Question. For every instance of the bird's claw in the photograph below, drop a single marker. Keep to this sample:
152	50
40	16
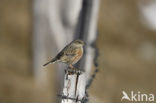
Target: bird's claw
72	71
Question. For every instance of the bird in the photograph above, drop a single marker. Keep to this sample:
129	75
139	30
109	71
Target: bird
70	54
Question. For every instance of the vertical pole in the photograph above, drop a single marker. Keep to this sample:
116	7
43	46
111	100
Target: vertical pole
86	30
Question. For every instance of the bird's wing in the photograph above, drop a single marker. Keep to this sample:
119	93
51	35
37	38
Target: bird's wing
69	50
66	51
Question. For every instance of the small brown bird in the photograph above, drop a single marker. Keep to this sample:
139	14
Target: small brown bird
70	55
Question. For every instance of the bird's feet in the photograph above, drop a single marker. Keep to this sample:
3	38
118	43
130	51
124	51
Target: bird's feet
73	70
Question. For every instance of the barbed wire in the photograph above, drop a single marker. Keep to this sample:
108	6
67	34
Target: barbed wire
83	100
95	60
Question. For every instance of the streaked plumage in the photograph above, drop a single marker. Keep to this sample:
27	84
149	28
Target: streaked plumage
70	55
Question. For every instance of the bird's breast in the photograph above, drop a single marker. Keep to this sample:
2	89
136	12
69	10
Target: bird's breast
79	53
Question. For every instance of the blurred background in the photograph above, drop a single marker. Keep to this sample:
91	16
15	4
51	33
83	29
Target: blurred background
126	41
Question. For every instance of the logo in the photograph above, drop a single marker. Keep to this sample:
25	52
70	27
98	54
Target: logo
138	96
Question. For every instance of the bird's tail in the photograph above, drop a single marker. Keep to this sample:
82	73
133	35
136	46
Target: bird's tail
52	61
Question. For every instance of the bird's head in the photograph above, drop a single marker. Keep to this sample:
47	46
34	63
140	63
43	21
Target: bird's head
79	43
